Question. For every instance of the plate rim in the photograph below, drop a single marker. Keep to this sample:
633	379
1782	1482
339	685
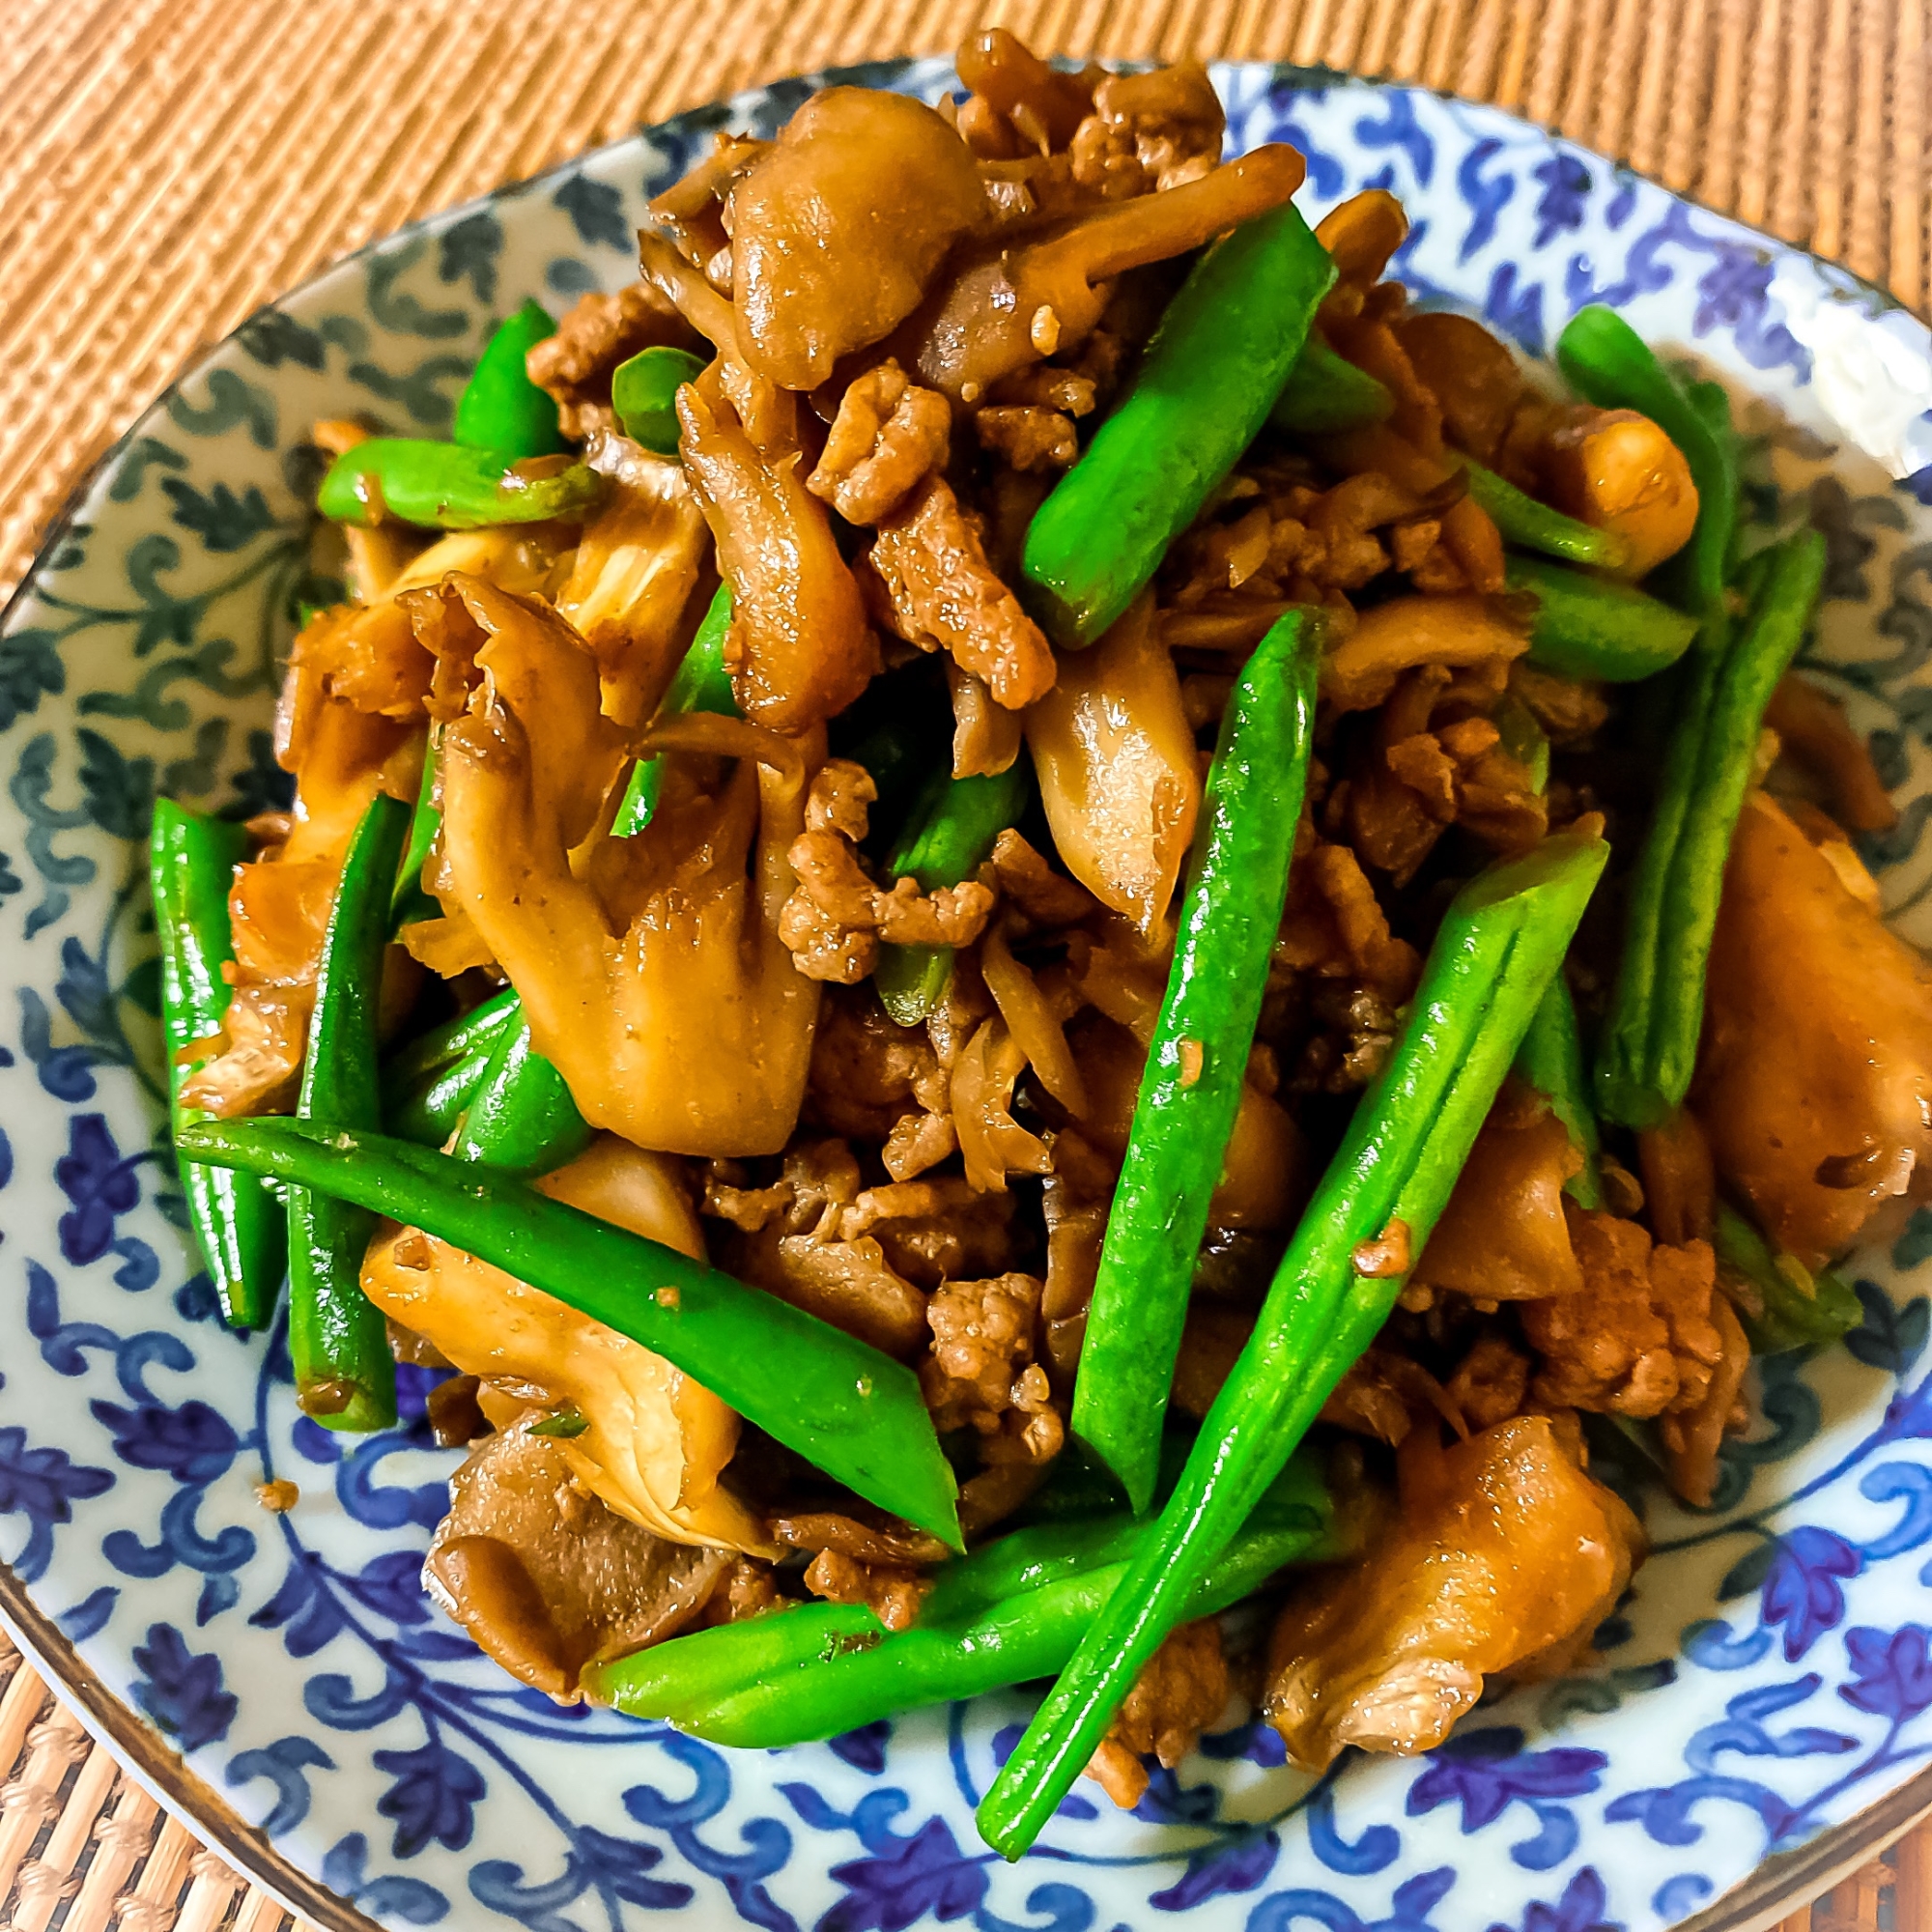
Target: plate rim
145	1756
1756	1903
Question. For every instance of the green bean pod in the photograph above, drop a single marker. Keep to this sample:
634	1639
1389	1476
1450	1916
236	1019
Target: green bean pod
522	1118
644	395
1221	356
1611	364
501	408
898	755
1780	1302
1647	1050
948	835
1551	1061
238	1224
1522	738
1530	525
446	486
1713	403
1627	1084
1499	945
1014	1611
1552	1057
430	1113
427	1083
680	1680
1326	393
700	683
338	1341
1197	1059
409	903
1596	628
854	1412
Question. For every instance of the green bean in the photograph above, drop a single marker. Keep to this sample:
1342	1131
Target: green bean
1522	738
1629	1086
1500	943
1647	1050
1551	1061
448	487
898	755
501	408
431	1113
1014	1611
1027	1559
1596	628
410	904
693	1673
1326	393
855	1413
948	835
643	393
430	1082
1219	360
522	1118
1191	1085
1552	1057
1081	1486
238	1224
338	1342
1533	525
1713	403
701	683
1612	365
689	1677
1780	1302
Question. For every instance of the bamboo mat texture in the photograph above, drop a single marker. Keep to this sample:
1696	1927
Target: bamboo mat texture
167	165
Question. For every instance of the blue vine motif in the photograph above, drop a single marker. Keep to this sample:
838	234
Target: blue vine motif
390	1897
43	1485
296	1659
1410	1908
285	1764
1582	1908
1486	1771
182	1691
1565	189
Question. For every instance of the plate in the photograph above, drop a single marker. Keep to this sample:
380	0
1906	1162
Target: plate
1765	1695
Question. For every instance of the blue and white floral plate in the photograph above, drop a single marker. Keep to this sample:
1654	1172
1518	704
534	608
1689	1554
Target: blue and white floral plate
1758	1714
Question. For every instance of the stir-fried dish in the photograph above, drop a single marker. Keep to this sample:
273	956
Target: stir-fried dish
1013	912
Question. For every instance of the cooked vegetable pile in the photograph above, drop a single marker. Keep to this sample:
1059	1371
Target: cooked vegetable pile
1011	912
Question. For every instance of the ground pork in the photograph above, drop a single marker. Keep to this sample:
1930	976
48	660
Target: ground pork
1182	1689
1641	1339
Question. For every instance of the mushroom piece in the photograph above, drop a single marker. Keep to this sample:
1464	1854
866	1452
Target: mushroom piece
545	1578
1815	1077
1009	306
650	968
1505	1557
647	1440
838	228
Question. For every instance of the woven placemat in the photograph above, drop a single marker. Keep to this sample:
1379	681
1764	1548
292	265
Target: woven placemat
166	165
